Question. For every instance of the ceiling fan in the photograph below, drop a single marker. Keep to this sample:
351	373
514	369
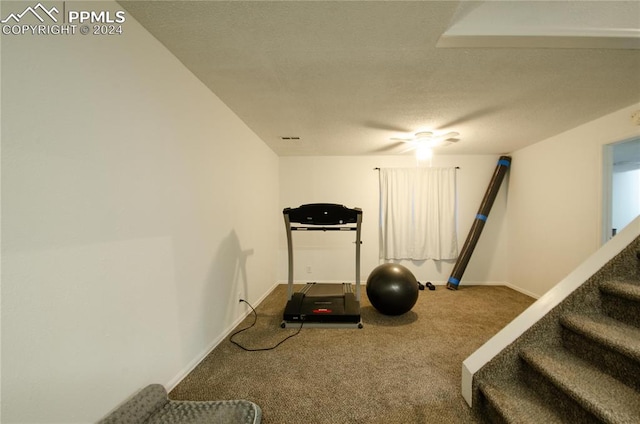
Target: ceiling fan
423	142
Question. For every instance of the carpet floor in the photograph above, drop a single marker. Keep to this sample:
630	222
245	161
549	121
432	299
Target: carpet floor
404	369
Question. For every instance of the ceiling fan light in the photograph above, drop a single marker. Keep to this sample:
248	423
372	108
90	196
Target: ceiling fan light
424	152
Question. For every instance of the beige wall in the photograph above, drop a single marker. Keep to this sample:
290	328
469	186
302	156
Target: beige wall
135	206
555	201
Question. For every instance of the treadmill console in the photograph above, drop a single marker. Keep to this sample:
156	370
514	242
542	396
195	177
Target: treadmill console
323	214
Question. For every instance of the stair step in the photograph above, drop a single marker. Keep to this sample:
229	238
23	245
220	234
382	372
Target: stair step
625	289
621	300
517	404
614	334
602	395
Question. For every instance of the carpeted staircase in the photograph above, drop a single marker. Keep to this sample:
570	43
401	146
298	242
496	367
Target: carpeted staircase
580	363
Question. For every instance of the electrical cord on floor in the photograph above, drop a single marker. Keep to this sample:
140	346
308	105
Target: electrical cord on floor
255	319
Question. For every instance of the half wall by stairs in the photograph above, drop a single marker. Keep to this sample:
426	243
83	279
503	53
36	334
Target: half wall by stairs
580	363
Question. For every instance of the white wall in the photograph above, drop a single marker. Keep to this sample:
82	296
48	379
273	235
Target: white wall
135	205
555	201
625	197
352	181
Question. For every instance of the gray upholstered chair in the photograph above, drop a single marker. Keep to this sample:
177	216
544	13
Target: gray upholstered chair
151	405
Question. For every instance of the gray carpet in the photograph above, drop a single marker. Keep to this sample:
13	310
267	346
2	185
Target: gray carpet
403	369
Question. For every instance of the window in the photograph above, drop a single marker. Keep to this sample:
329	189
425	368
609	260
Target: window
418	213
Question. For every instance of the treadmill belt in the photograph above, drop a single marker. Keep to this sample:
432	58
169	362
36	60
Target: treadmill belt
324	290
322	306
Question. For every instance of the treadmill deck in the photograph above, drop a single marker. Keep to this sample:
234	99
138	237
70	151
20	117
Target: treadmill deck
321	304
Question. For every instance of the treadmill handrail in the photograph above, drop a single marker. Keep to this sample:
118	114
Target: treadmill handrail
324	228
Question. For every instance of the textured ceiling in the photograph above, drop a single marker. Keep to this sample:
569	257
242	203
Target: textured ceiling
347	76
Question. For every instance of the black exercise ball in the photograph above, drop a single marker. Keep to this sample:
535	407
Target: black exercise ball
392	289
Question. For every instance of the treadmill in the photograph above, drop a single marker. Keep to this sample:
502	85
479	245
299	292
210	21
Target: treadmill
318	304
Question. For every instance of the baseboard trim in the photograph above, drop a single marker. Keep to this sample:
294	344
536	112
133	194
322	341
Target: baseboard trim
320	281
523	291
199	358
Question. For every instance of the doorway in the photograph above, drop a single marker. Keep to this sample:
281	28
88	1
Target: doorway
621	186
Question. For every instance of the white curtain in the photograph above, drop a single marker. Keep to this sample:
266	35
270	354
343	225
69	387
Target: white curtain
418	213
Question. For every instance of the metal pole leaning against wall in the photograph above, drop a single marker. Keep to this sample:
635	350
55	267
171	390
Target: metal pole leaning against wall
478	224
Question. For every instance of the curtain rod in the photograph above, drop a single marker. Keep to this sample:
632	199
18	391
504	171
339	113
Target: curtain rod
378	168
